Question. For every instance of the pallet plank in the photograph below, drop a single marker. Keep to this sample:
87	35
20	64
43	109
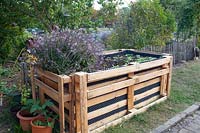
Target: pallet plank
106	109
125	70
48	90
111	88
106	97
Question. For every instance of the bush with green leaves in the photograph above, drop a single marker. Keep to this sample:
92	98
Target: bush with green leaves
147	23
68	52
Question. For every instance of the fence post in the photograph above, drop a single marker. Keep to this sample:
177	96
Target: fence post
164	82
169	76
81	102
71	112
130	93
61	104
32	82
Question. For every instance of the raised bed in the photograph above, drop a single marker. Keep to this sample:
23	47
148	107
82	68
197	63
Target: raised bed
91	102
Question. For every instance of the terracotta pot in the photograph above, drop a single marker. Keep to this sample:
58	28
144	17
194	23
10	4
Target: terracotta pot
40	129
25	120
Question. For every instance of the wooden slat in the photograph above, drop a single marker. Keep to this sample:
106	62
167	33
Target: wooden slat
106	83
147	83
81	105
67	97
61	104
33	83
149	71
56	110
147	93
107	120
66	79
126	83
163	84
49	82
152	75
48	75
111	88
106	109
147	102
67	105
126	117
130	92
106	97
48	90
169	76
125	70
71	106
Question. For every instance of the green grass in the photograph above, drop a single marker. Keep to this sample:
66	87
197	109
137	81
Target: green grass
184	92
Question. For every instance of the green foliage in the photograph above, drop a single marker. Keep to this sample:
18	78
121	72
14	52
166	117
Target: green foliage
189	22
4	71
17	15
49	117
5	89
147	24
108	13
25	94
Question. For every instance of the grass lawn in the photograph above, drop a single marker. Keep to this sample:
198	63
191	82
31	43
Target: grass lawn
184	92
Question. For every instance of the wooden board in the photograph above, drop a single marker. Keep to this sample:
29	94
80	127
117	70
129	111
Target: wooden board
125	70
147	102
106	109
146	93
111	88
107	120
126	117
106	97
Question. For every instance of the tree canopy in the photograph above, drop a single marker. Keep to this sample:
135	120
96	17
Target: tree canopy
148	23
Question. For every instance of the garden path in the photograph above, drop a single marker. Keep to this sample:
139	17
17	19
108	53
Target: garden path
190	124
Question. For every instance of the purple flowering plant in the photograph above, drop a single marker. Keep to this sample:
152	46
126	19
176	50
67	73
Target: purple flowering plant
68	51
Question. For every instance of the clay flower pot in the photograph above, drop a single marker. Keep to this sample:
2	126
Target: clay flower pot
25	119
40	129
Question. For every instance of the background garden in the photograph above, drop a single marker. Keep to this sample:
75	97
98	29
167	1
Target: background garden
37	31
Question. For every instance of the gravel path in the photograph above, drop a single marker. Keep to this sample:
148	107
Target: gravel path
190	124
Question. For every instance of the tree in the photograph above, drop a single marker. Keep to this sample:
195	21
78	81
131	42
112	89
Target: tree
189	22
147	24
17	15
108	12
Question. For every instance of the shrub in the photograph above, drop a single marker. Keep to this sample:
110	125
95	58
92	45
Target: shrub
68	51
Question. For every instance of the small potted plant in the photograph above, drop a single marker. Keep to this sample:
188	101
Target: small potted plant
28	113
44	123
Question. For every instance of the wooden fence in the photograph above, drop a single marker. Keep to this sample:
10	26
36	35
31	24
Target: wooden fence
181	51
91	102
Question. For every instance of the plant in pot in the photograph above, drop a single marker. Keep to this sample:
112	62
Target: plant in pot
26	114
44	123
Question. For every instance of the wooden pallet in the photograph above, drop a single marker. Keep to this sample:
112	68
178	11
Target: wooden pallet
101	99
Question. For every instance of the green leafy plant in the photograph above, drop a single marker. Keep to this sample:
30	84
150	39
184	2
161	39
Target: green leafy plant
48	117
4	89
25	94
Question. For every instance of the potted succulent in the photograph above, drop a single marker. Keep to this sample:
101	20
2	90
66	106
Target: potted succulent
27	113
44	123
